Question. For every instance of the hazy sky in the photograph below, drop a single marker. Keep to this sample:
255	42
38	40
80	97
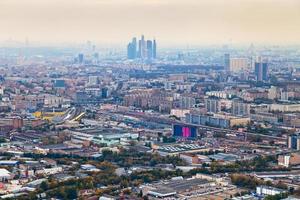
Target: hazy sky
169	21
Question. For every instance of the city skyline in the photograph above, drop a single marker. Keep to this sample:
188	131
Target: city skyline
173	22
150	99
144	49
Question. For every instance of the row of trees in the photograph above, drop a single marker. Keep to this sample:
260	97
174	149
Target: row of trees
276	197
257	164
127	158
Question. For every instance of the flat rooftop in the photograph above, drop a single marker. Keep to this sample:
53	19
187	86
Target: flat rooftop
180	147
180	185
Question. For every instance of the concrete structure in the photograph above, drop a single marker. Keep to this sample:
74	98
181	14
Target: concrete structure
238	64
217	120
267	190
219	94
224	157
13	122
294	142
284	96
5	175
53	101
273	93
264	117
114	139
227	62
179	112
93	80
187	102
291	119
81	138
49	171
190	159
285	107
289	160
173	187
261	70
212	105
239	108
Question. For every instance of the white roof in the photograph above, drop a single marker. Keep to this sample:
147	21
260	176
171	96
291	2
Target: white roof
4	173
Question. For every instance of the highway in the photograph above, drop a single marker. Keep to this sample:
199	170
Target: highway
73	113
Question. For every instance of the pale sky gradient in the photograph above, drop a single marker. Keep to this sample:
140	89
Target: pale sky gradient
169	21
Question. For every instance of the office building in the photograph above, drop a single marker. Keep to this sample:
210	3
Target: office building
261	70
131	49
154	49
142	48
149	49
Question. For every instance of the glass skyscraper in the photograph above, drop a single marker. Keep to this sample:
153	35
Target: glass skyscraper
145	50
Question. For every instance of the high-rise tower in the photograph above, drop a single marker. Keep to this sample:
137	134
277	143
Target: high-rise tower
227	62
154	49
131	49
261	69
149	49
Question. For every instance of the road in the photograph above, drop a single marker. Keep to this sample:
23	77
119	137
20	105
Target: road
70	114
154	117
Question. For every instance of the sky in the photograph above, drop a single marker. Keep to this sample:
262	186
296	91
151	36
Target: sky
171	22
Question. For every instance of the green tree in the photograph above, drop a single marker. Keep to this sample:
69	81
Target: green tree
44	186
71	193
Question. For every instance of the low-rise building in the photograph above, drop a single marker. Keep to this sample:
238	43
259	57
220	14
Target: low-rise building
179	112
267	190
114	139
49	171
224	157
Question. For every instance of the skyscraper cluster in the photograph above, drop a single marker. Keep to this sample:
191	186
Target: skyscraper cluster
143	49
